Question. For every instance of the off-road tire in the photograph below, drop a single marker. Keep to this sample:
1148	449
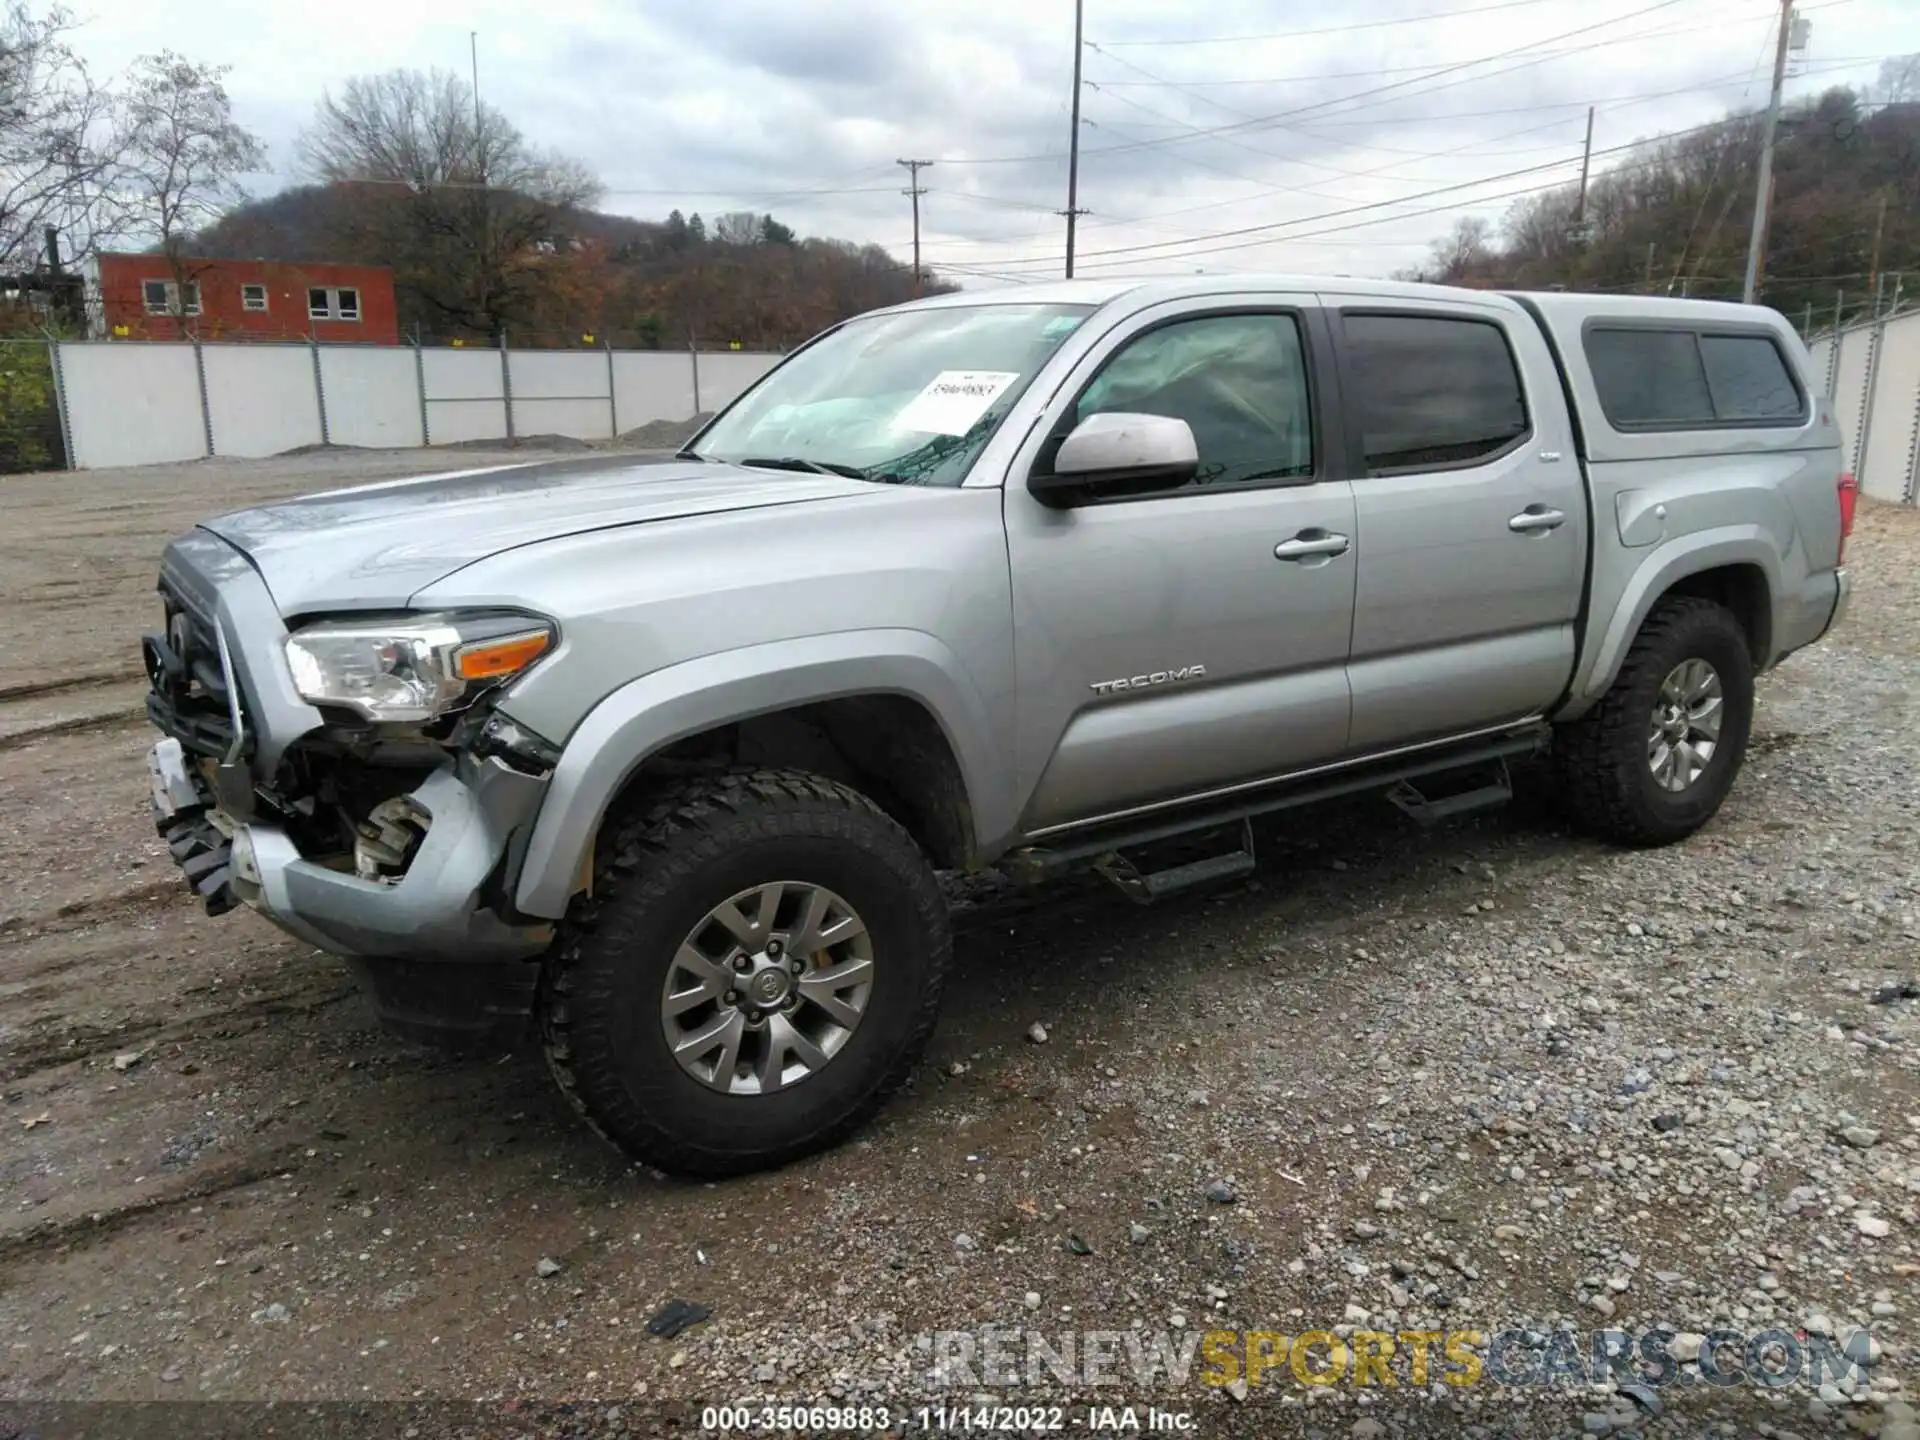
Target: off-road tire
660	864
1600	759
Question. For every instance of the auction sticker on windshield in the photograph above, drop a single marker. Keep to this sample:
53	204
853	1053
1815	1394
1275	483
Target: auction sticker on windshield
954	400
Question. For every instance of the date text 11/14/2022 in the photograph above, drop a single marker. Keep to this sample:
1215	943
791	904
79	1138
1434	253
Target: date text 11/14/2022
984	1419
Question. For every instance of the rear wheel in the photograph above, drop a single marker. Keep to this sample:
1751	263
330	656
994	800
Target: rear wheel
1652	762
758	967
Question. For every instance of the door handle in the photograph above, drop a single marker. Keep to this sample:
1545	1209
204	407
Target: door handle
1310	543
1536	518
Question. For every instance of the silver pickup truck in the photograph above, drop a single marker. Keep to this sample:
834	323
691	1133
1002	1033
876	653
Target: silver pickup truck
661	755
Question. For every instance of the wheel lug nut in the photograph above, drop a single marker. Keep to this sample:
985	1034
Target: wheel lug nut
773	949
742	962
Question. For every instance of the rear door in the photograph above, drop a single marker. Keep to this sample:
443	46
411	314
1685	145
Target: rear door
1471	516
1180	642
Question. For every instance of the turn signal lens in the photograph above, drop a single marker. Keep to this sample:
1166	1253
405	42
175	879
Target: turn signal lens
492	659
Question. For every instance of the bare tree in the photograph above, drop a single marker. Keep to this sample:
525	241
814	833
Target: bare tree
472	217
182	158
56	151
1899	82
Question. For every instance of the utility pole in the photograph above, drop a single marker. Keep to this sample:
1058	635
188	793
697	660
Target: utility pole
1650	267
1763	191
1873	268
914	167
1586	161
1073	140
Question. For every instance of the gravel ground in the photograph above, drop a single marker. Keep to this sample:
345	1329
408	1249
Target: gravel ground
1487	1077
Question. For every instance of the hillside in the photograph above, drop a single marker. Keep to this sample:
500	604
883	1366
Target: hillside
1674	215
551	275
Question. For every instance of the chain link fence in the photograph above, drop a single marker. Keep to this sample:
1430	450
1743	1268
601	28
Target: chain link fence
31	436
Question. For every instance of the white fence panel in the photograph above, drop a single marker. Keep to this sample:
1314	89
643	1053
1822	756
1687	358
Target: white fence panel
132	404
1886	468
1850	392
1820	354
652	385
373	396
724	374
560	392
261	398
465	400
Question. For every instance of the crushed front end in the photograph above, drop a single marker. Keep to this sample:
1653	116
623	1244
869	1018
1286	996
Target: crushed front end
375	805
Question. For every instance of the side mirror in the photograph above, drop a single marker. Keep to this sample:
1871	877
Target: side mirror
1118	452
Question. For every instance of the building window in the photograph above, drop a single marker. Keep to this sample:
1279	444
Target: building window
253	297
328	303
163	297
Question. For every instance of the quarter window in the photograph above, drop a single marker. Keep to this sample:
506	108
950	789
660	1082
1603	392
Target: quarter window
1650	378
1678	379
1240	383
1432	391
1749	379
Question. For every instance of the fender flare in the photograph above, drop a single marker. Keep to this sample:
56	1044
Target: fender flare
1664	567
646	715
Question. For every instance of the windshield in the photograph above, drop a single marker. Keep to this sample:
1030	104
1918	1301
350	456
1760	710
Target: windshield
910	398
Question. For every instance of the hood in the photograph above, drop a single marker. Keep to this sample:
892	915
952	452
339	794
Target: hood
375	546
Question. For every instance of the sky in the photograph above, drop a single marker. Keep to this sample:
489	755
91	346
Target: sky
1240	136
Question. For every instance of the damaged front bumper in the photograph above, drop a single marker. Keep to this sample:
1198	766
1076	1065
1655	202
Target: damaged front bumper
432	932
430	945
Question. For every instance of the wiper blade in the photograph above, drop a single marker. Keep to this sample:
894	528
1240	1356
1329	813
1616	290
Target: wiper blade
794	462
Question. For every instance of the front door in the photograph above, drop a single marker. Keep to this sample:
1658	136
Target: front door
1194	639
1472	520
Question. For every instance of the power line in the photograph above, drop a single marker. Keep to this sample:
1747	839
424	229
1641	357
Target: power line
1265	230
1254	122
1334	29
1615	102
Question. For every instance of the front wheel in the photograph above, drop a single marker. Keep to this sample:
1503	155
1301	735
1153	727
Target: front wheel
1652	762
758	967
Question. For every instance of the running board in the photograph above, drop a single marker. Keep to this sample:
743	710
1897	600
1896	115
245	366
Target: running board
1034	864
1425	810
1144	887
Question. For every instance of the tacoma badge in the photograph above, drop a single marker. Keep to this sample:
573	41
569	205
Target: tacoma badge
1141	682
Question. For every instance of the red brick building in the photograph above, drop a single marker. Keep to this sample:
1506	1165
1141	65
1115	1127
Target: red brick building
139	297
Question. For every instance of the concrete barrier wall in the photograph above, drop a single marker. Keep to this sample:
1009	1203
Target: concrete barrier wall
144	403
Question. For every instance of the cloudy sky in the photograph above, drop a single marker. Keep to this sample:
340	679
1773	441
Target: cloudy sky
1242	135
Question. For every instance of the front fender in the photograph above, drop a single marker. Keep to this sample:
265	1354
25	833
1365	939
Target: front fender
646	715
1659	569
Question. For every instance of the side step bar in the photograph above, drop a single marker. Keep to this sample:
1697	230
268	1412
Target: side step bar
1145	887
1484	760
1496	788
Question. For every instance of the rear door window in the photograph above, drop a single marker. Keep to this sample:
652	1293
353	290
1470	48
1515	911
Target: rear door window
1433	392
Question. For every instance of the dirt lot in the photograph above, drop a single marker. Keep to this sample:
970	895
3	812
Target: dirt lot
1484	1077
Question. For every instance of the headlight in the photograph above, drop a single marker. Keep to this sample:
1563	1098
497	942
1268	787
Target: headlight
413	667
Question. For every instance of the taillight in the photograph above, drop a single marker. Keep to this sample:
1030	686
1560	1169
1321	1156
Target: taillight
1849	492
